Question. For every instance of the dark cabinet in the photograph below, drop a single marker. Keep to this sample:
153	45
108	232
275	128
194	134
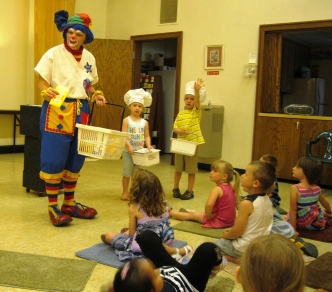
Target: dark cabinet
29	126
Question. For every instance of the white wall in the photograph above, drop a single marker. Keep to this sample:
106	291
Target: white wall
16	81
232	23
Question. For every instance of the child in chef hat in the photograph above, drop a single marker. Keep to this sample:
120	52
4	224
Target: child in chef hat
187	127
136	99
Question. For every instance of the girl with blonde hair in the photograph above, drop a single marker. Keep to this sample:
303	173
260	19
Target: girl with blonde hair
271	263
148	210
220	207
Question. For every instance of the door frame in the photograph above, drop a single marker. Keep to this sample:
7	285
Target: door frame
269	63
137	42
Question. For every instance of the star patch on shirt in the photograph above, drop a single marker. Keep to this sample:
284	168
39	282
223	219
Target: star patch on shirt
88	67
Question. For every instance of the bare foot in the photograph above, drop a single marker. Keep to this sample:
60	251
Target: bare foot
124	198
103	238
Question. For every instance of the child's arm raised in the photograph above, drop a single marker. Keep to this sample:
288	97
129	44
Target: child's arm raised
198	85
215	193
294	193
245	210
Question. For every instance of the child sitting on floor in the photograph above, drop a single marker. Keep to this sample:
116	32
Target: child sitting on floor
274	194
147	210
304	210
271	263
220	207
254	214
162	273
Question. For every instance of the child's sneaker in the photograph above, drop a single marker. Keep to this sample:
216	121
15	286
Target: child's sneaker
176	193
187	195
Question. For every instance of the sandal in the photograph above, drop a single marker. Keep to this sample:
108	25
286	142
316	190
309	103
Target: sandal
189	250
177	255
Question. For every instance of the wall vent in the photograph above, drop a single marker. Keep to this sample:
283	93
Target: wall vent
168	11
217	121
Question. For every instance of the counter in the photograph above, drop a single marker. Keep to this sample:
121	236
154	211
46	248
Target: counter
303	117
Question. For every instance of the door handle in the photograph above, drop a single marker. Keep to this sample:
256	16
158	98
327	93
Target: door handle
297	125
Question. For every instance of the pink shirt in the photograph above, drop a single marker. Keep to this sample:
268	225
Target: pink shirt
224	208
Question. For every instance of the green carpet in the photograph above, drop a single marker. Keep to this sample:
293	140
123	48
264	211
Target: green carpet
220	283
195	227
45	273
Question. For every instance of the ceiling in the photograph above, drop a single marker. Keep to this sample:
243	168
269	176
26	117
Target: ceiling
310	39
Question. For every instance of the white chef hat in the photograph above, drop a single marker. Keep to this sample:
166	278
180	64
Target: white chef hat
190	89
138	95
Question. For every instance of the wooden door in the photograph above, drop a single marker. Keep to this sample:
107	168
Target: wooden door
279	137
268	90
114	63
46	33
288	66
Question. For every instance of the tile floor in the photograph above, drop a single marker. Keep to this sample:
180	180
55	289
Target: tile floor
26	227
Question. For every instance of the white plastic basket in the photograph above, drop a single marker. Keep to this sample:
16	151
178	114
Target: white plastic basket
183	147
146	157
100	142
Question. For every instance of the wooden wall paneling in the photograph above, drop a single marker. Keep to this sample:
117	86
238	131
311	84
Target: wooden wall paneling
270	100
46	33
114	64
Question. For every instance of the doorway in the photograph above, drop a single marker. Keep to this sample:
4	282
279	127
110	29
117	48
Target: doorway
171	40
271	70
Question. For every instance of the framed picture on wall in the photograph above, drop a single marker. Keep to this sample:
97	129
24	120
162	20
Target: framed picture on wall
214	57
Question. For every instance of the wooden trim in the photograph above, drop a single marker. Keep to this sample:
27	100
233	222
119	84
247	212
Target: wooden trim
157	36
301	117
298	26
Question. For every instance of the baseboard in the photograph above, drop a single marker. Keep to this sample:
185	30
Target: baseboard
10	149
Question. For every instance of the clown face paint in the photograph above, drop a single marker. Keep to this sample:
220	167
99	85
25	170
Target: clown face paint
75	38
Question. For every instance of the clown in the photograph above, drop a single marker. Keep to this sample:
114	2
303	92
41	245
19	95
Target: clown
72	67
